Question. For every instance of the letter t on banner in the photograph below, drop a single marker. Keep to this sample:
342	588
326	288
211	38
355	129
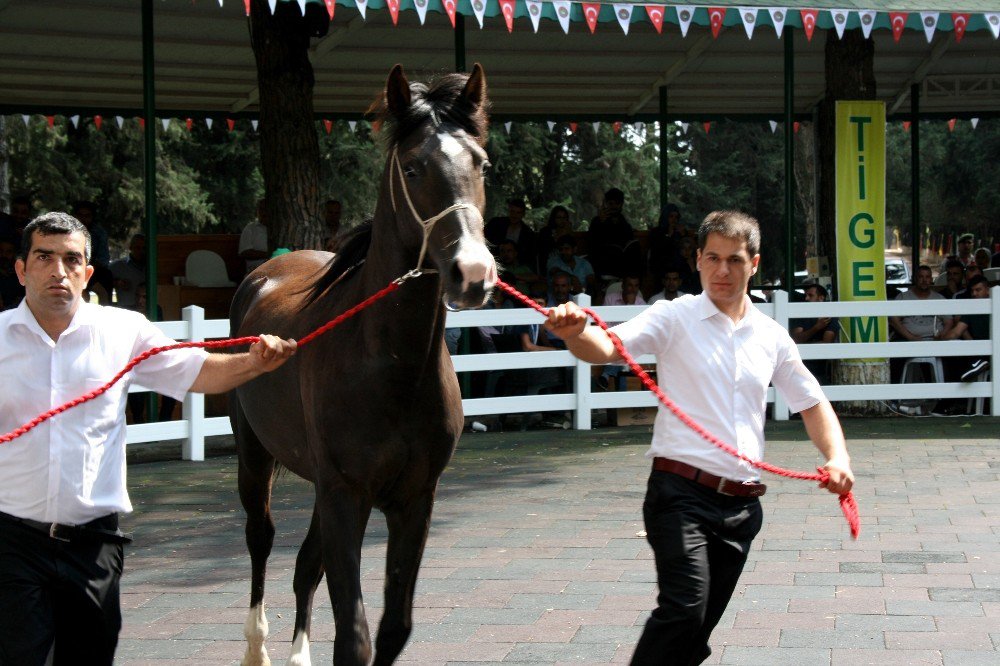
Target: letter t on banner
860	213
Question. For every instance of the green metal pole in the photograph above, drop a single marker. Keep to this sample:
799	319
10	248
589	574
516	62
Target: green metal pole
459	42
789	161
149	156
664	144
914	177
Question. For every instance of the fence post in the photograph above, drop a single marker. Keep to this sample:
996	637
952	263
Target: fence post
780	301
581	382
995	355
193	412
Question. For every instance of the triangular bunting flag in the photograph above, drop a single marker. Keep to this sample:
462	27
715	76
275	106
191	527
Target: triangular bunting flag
616	126
246	6
119	121
898	22
655	14
507	125
638	126
230	123
707	126
961	22
550	124
906	125
142	123
624	15
951	124
51	120
421	6
795	127
573	127
353	124
331	7
98	121
778	15
809	21
328	125
749	16
362	6
591	10
993	20
562	8
974	121
596	126
839	17
189	123
75	120
165	122
774	125
26	118
449	8
507	8
716	15
534	12
479	9
220	3
208	122
684	127
393	6
867	18
254	123
272	5
929	20
685	13
302	7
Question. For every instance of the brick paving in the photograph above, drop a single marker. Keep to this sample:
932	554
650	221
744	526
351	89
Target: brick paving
535	555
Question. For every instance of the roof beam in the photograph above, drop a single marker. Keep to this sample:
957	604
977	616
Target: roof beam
942	42
673	71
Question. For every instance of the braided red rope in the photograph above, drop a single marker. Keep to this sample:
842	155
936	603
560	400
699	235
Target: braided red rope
212	344
847	503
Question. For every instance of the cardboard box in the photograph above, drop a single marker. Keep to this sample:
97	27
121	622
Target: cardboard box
635	415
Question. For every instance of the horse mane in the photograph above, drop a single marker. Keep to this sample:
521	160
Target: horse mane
353	250
440	101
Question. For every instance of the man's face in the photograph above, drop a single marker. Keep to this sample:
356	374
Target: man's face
726	267
924	280
955	275
612	206
672	282
813	295
566	252
332	212
560	289
971	271
980	290
964	247
85	215
55	272
515	213
508	254
630	287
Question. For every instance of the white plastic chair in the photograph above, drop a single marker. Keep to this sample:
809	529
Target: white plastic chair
205	268
913	370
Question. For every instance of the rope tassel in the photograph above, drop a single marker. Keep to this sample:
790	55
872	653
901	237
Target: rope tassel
847	503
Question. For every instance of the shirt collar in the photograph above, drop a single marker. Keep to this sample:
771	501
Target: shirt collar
707	309
85	316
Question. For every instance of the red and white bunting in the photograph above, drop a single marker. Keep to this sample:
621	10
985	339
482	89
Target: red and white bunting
685	13
778	15
449	8
906	125
393	10
749	16
166	123
562	8
867	18
188	123
362	7
716	15
774	125
353	124
898	21
479	9
591	10
534	12
795	127
98	121
596	126
220	3
929	21
230	124
246	6
142	123
624	15
331	7
51	121
254	123
638	126
573	127
961	22
119	121
272	5
974	121
75	120
655	14
328	125
707	127
839	17
684	127
616	126
951	124
507	8
421	6
507	125
551	124
809	17
302	6
208	122
25	118
993	20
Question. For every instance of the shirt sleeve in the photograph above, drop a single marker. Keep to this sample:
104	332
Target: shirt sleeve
648	332
791	377
172	372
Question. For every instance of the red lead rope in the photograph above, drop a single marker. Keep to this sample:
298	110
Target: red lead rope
847	502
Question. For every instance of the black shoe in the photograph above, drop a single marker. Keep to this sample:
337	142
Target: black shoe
977	367
602	383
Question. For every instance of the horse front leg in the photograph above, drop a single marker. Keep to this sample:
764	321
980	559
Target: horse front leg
308	574
343	518
408	523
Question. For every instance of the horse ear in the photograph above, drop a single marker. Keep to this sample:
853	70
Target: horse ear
475	87
397	91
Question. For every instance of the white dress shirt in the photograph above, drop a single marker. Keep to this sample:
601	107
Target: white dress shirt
717	371
71	468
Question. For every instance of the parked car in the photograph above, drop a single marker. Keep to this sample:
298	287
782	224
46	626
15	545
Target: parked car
897	271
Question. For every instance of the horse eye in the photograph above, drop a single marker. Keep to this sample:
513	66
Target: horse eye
485	168
409	172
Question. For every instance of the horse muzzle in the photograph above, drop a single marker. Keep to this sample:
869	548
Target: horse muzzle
472	276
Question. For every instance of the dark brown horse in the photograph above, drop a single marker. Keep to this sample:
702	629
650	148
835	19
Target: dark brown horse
370	412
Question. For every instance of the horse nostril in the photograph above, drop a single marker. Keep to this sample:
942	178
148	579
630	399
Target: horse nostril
456	274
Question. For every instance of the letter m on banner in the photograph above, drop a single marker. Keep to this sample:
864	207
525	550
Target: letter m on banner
860	213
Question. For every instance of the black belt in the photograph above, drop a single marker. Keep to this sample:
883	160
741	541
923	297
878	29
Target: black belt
717	483
60	532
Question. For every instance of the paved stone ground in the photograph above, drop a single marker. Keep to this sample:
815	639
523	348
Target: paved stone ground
535	555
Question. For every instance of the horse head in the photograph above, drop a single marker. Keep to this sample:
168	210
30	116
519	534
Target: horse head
436	179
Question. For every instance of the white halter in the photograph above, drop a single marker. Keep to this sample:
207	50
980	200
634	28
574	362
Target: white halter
426	225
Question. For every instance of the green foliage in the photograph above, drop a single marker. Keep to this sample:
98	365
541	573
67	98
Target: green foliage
350	169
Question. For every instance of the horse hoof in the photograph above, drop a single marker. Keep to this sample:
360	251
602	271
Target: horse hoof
300	651
256	657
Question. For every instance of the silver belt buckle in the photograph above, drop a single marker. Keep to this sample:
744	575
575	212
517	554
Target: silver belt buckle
53	532
722	484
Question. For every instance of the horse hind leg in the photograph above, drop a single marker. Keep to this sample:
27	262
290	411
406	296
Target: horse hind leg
308	574
256	473
408	523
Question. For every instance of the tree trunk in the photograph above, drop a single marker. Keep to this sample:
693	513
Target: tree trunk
289	147
850	74
4	166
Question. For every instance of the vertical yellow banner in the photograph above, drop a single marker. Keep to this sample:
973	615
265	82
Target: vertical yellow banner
860	214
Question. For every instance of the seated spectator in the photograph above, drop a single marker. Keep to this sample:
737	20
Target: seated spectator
627	294
954	278
11	291
332	210
813	330
965	254
981	258
559	225
129	272
567	262
688	266
514	228
611	245
102	282
11	225
664	242
523	276
560	293
253	241
969	327
971	271
671	286
918	327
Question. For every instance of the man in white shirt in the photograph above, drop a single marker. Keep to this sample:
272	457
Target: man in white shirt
716	355
62	484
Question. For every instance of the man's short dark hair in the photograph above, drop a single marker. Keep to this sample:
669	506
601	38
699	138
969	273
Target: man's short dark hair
53	224
566	240
967	238
83	204
517	203
977	279
731	224
952	262
614	194
820	289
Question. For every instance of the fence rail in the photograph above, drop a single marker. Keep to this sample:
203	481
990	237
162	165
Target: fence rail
194	426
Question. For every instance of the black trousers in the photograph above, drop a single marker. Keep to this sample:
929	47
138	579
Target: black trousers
700	541
59	601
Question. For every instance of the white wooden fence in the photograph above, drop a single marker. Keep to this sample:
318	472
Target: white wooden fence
195	426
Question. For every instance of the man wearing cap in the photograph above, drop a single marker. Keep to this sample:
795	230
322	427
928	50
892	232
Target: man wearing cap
965	253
